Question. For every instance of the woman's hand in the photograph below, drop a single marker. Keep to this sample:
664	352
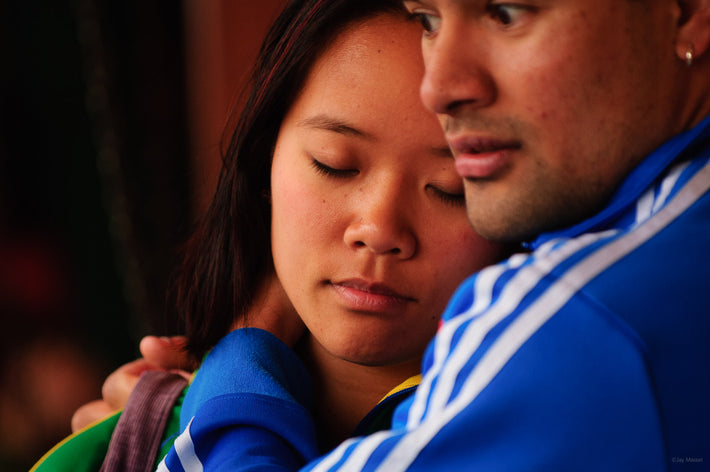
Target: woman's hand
164	354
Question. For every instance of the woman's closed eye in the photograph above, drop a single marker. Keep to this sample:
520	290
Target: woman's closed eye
331	171
450	198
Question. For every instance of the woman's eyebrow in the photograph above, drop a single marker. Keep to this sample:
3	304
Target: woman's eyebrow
329	123
336	125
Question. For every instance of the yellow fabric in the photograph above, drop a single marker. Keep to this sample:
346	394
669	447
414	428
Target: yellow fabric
412	381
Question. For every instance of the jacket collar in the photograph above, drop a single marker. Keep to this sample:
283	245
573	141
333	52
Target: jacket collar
624	200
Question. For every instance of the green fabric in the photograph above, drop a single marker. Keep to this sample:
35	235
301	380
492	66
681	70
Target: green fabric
85	450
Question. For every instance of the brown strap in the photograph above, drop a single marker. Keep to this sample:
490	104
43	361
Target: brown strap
135	441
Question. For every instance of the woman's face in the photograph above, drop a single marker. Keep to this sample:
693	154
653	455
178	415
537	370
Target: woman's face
369	229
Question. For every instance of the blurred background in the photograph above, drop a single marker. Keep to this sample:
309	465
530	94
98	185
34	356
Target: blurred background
110	119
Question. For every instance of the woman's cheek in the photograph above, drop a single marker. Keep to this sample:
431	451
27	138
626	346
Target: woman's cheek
304	215
465	253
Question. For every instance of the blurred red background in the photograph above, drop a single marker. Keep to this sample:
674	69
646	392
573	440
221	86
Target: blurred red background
110	119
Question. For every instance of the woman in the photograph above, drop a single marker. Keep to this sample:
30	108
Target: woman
339	166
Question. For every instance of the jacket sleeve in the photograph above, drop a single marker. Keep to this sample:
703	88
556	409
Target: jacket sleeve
246	409
573	393
572	414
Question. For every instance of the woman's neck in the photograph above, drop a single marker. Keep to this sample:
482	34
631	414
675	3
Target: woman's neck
344	392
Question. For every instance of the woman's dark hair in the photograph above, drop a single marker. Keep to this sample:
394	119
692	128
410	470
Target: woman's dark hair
229	254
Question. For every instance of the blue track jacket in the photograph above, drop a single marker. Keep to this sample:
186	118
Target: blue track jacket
591	353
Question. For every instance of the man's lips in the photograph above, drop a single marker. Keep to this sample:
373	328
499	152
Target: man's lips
481	157
361	295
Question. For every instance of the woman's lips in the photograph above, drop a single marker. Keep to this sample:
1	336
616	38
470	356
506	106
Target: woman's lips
360	295
480	158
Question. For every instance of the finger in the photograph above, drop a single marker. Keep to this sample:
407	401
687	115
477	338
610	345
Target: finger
89	413
166	352
119	384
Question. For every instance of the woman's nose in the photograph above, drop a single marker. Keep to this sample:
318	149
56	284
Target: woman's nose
382	224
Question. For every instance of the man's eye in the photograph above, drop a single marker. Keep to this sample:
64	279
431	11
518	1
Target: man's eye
332	172
506	14
430	23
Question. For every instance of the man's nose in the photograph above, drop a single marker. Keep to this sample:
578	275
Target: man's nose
455	74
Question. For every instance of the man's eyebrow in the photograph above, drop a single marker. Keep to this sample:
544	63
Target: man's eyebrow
336	125
409	3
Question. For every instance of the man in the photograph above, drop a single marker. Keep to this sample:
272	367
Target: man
582	128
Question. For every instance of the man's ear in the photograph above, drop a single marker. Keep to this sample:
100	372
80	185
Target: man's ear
694	28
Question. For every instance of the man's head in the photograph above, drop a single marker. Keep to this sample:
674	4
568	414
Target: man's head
549	104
